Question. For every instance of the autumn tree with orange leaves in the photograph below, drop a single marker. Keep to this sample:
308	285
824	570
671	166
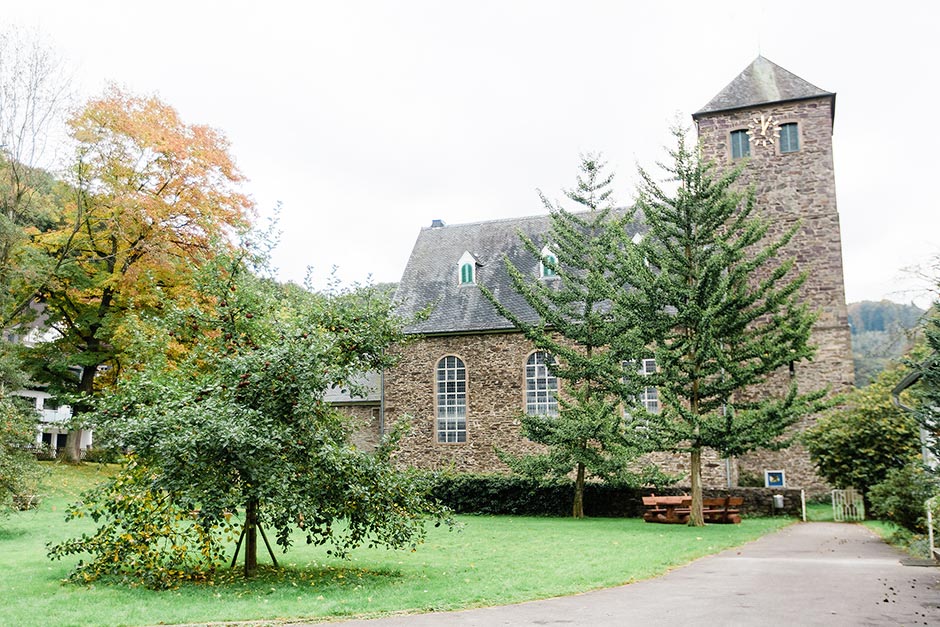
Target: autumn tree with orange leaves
151	198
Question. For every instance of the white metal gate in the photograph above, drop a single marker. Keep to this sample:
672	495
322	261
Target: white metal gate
847	505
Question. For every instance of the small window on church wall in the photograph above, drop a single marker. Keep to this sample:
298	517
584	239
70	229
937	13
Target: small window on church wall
789	137
740	144
466	273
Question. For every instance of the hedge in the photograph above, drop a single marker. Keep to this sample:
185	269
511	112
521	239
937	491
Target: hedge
516	495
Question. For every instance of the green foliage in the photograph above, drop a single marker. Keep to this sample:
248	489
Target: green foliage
589	436
19	471
859	444
103	455
145	537
901	497
720	310
240	420
928	389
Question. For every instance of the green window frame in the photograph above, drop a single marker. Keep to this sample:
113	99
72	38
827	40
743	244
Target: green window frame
789	137
740	144
546	271
466	273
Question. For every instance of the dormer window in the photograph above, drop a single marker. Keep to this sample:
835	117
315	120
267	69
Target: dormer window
548	264
467	269
740	144
789	138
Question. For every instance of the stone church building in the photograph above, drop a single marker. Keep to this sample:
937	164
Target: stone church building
467	376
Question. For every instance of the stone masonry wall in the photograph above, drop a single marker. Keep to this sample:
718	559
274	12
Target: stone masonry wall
495	387
495	398
364	422
791	188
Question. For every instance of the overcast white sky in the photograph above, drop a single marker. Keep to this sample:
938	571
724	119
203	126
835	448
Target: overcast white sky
368	119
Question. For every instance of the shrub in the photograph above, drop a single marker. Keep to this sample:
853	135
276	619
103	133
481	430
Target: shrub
100	455
858	445
900	497
748	479
522	496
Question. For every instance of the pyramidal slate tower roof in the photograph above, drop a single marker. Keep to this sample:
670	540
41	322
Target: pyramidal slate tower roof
762	82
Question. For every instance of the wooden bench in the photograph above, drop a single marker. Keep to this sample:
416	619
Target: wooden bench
722	510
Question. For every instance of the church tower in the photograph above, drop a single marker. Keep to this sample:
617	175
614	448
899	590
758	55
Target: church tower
779	127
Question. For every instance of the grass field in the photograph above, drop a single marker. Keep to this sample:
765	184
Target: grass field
487	561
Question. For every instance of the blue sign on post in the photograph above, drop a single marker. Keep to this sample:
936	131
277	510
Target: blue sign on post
774	479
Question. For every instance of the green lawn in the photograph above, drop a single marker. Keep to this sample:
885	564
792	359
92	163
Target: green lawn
487	561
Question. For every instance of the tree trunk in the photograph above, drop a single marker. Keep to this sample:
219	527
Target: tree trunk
251	537
696	518
73	446
578	509
86	385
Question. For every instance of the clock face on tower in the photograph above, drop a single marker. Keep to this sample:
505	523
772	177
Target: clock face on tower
763	130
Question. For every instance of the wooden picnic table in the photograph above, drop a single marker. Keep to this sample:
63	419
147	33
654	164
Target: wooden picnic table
667	509
676	509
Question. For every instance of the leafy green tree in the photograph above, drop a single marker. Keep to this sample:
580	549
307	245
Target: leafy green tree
241	422
928	385
19	471
901	496
151	198
719	311
589	434
858	444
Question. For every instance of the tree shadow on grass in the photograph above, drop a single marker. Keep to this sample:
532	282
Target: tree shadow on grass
321	576
11	533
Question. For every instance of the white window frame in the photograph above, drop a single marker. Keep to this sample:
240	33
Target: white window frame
648	396
450	389
541	386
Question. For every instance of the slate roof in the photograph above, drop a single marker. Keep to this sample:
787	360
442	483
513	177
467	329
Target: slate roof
762	82
431	274
370	381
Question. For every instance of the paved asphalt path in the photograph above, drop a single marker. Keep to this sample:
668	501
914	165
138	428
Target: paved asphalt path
806	574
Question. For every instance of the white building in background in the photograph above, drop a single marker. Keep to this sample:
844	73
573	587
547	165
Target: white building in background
52	428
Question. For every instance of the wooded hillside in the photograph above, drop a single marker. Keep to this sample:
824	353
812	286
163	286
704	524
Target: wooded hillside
881	331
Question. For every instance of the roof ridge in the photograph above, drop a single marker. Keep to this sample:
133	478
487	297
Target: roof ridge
539	216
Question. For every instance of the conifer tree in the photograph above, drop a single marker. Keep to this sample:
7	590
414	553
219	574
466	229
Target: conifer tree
720	308
589	434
